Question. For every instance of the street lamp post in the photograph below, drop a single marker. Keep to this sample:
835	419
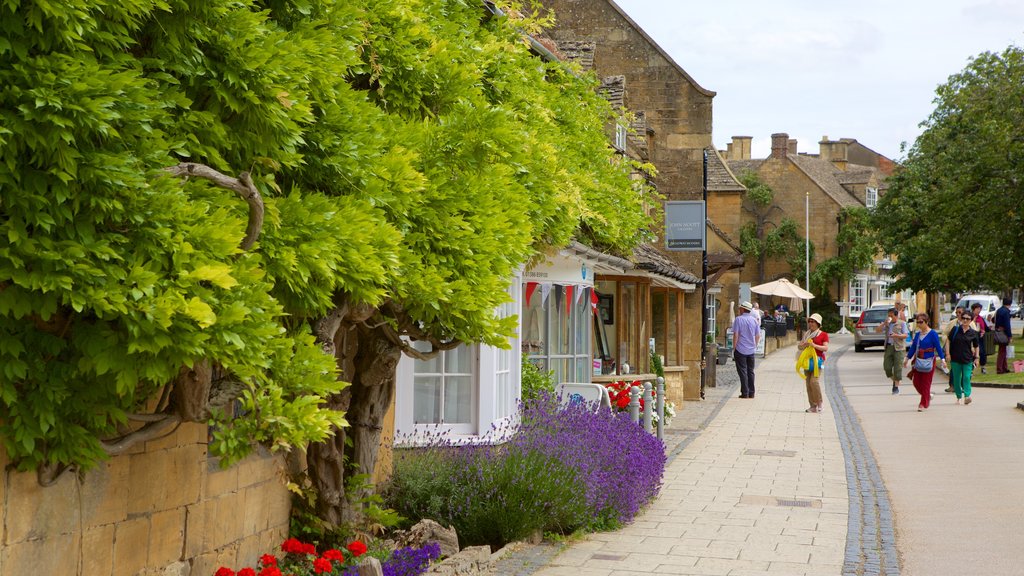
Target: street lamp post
807	251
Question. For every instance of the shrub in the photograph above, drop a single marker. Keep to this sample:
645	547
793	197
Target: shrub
535	381
563	469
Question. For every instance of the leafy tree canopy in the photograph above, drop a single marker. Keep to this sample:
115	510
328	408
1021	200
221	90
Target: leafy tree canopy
952	217
762	238
404	157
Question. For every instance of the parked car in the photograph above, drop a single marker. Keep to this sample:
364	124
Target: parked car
866	332
989	304
1015	311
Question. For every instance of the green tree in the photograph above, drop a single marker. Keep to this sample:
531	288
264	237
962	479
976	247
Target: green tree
762	238
857	249
952	217
394	163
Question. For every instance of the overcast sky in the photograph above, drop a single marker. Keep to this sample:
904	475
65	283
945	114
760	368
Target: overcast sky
866	70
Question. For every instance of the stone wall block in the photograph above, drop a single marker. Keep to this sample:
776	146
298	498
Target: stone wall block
183	484
131	545
38	512
98	551
148	478
197	516
208	563
218	481
167	537
53	555
104	497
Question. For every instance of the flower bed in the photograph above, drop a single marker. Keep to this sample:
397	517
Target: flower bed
564	468
619	394
302	559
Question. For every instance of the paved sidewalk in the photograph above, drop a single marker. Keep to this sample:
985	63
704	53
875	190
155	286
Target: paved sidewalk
761	490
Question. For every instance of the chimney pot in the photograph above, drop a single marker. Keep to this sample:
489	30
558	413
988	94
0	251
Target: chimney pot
780	145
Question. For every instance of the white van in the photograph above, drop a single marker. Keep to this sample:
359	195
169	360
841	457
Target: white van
989	305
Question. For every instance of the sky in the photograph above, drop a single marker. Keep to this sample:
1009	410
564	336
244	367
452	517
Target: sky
866	70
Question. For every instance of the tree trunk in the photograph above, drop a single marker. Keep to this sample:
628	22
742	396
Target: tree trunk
368	360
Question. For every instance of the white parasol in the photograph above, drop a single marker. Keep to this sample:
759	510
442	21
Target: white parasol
782	288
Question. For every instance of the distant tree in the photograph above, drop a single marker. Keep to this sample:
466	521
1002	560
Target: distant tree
953	217
762	238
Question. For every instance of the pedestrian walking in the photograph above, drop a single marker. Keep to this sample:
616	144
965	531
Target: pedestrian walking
981	326
896	332
954	321
962	351
1003	335
923	351
746	333
816	340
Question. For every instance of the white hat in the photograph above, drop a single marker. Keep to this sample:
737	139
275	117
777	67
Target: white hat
746	305
816	317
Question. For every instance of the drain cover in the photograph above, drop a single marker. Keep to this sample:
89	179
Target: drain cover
759	452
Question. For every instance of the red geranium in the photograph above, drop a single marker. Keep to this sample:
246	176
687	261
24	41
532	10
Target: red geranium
222	571
333	554
270	571
357	548
309	549
321	565
293	546
268	560
246	572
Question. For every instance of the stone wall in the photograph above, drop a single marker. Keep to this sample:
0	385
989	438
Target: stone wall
166	508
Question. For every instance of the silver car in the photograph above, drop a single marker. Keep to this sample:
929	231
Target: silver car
866	333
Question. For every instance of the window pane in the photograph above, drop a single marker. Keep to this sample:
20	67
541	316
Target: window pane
458	398
562	370
535	323
672	358
427	400
581	327
627	315
658	304
432	366
458	361
560	322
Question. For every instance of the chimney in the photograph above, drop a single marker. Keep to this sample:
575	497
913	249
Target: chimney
740	149
728	151
791	144
834	151
780	145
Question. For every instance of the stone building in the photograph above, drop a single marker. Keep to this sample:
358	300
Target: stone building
819	186
672	116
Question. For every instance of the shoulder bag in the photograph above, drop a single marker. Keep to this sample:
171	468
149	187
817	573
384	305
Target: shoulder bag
1000	337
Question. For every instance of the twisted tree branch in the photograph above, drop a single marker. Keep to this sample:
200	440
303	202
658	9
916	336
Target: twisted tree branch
242	186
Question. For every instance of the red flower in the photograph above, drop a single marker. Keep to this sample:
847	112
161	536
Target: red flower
270	571
293	546
268	560
309	549
321	565
357	548
333	554
622	401
222	571
246	572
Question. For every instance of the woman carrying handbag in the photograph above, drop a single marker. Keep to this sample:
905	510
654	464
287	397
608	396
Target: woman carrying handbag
811	360
923	351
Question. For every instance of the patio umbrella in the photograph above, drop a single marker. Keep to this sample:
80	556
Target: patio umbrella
782	288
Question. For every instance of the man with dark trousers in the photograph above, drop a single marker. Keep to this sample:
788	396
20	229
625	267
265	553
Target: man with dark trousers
1002	324
746	333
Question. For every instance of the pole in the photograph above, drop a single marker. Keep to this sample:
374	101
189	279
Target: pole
704	284
807	252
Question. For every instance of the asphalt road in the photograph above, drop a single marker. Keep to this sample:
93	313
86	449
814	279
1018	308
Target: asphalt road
955	474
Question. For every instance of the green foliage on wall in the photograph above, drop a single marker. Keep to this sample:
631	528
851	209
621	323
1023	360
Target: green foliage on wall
411	156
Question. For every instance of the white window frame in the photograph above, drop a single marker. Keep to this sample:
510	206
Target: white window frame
858	289
620	137
871	198
580	319
709	303
496	387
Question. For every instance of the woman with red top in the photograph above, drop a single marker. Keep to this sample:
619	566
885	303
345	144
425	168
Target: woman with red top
818	339
922	352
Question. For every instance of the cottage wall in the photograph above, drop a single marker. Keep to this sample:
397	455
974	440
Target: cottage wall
164	509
